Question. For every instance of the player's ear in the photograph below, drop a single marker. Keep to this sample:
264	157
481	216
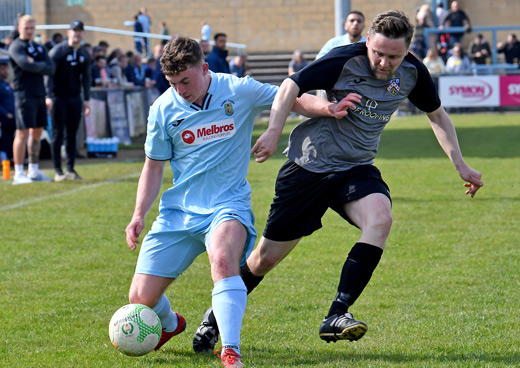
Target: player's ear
205	68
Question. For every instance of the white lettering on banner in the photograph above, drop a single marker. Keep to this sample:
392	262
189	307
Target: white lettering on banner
469	91
208	132
513	89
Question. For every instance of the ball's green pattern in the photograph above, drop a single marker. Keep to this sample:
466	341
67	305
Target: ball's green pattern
144	329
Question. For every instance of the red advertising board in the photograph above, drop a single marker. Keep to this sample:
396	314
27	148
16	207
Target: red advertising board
510	90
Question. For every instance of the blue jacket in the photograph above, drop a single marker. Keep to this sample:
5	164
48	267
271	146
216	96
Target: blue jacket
6	100
217	61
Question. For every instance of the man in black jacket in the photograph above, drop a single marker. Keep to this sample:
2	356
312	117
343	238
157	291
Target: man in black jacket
72	75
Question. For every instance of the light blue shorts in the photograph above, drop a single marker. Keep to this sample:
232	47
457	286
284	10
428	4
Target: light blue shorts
177	238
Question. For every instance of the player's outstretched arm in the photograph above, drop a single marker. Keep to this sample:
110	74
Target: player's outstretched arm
147	190
447	137
267	143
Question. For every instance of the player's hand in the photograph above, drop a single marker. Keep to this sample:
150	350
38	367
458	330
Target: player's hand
340	110
48	103
133	230
86	108
265	145
473	179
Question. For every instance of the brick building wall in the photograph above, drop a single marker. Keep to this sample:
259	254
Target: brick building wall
268	25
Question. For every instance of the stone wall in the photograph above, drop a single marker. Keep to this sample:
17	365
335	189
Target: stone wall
267	25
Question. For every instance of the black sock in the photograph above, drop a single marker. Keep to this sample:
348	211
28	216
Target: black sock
355	275
249	278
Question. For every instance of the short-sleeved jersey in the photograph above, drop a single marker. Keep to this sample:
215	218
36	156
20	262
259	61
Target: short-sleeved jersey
208	146
326	144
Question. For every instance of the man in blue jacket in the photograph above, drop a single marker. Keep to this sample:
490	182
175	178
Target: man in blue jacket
217	57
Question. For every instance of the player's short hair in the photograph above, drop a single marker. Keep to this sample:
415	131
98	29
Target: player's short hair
393	24
180	54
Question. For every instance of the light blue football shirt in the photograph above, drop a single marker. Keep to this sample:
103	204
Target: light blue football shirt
209	146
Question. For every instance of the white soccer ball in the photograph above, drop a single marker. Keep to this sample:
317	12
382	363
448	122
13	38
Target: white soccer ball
135	329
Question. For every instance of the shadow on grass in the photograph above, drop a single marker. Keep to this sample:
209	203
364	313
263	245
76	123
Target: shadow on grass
493	142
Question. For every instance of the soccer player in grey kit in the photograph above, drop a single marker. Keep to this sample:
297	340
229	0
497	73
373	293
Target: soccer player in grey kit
330	162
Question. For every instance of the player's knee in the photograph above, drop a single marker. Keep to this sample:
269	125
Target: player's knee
382	223
135	296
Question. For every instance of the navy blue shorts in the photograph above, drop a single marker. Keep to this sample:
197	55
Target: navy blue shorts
302	198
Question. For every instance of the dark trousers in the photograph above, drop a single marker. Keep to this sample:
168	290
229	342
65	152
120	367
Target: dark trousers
7	139
67	116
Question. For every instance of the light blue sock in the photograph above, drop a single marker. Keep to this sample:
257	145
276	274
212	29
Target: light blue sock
164	311
229	305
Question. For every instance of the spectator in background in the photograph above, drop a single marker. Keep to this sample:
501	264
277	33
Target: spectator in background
164	32
354	25
458	63
149	72
479	50
510	49
435	65
64	89
118	67
423	19
6	41
100	75
297	62
97	51
205	32
146	22
456	18
440	13
138	41
238	65
104	46
217	58
7	121
138	71
206	48
56	39
160	80
30	63
114	54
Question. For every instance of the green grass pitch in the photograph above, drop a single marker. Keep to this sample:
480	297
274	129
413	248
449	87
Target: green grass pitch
446	293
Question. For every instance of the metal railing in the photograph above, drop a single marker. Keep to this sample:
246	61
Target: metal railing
238	46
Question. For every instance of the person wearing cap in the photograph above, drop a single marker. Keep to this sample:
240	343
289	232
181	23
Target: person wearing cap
64	97
30	63
7	122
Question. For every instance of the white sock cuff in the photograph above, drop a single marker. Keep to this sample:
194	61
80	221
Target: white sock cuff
229	283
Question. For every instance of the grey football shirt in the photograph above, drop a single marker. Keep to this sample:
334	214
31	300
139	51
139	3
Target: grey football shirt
326	144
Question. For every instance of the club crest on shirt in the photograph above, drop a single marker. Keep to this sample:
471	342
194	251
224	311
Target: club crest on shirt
228	107
395	86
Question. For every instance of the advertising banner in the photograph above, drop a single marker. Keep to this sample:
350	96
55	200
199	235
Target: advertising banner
469	91
510	90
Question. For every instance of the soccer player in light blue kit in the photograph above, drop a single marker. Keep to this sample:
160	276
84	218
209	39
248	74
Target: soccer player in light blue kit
203	126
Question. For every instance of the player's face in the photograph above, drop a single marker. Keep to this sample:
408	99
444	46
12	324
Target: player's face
191	84
354	25
26	29
385	55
